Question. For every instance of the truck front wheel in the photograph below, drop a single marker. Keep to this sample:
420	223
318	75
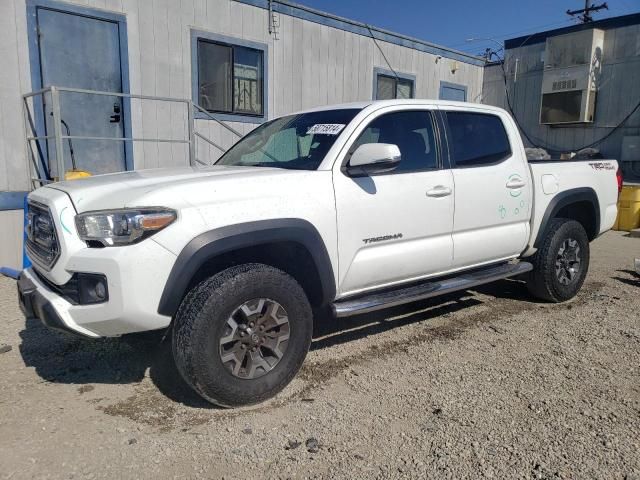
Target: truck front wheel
561	263
240	336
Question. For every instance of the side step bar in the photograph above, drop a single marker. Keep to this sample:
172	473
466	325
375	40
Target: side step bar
391	298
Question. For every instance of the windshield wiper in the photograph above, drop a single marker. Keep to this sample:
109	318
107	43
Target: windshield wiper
258	164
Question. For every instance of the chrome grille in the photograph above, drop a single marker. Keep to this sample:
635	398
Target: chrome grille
42	242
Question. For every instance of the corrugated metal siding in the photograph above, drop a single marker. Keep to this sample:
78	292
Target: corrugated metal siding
313	64
11	223
309	65
618	93
14	76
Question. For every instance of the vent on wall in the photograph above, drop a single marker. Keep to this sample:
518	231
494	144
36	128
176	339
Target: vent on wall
569	82
564	85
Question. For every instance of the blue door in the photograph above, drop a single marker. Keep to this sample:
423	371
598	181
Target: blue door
453	91
80	51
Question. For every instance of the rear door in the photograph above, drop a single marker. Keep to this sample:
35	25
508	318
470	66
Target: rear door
492	187
83	52
395	227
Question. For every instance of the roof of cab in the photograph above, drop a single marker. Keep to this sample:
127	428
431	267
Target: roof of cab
376	104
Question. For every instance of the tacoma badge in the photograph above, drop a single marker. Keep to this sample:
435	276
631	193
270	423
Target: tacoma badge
384	238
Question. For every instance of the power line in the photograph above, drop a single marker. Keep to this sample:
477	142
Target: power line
375	41
526	30
513	114
551	148
381	51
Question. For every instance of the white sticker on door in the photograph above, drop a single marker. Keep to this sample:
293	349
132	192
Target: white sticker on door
326	129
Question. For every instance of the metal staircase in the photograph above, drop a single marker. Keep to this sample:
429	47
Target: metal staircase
44	148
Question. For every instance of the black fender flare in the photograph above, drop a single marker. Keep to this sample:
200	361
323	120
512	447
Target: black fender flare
222	240
563	199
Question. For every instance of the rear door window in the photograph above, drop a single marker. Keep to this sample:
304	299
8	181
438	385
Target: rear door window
477	139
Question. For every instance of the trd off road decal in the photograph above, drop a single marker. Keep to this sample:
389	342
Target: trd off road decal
602	166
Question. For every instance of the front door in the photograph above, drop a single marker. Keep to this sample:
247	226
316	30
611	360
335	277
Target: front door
395	227
83	52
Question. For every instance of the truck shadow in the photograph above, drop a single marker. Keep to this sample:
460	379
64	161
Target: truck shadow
632	278
333	331
66	359
63	358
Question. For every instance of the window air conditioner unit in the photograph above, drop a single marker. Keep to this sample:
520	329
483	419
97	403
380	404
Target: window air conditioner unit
569	82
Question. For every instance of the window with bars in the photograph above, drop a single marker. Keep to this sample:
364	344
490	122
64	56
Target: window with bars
389	87
230	78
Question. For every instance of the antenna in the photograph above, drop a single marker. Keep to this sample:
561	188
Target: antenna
584	14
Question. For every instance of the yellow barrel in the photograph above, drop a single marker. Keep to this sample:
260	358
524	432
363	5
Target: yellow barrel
628	208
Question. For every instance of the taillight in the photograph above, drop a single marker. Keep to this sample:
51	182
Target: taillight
619	179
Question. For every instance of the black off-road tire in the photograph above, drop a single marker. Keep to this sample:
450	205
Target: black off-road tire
543	282
201	321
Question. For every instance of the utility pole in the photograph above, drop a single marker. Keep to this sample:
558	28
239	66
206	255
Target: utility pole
584	14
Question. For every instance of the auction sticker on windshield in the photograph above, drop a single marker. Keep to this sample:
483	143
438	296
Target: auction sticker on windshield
325	129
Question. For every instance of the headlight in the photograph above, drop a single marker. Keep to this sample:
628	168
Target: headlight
113	228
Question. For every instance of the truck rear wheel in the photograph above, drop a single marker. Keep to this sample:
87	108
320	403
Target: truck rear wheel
240	336
561	263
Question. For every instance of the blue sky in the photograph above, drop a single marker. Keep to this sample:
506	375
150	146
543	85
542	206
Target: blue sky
452	22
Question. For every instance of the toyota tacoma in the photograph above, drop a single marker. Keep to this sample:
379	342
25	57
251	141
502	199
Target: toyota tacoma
351	208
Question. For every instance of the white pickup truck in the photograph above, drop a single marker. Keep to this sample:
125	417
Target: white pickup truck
354	207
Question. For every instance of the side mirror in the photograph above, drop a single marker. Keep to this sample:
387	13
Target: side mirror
373	158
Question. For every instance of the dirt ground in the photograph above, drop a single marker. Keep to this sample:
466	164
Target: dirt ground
486	383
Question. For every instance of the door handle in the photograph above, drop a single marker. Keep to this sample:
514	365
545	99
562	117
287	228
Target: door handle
515	183
115	118
439	191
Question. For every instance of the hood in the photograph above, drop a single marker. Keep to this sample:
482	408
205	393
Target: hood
131	189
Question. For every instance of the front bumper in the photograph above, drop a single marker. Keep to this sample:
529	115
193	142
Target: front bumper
34	305
136	276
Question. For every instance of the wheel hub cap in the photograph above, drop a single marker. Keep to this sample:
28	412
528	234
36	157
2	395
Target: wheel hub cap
255	338
568	262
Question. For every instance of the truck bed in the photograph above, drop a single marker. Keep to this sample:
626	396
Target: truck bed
552	178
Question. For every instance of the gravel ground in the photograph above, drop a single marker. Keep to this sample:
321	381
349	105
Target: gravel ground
482	384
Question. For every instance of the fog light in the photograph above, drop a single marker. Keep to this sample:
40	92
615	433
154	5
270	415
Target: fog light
92	288
101	290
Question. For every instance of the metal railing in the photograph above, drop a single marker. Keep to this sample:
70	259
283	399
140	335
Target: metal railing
38	160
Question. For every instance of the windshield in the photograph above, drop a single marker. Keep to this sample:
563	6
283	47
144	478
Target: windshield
296	141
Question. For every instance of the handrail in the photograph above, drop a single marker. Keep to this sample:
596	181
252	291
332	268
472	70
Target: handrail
208	114
116	139
139	97
29	150
210	142
106	94
56	137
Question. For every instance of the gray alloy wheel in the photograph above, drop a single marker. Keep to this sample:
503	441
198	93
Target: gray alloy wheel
561	263
568	262
241	335
255	338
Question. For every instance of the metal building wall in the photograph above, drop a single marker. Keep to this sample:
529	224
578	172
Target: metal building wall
618	93
314	61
